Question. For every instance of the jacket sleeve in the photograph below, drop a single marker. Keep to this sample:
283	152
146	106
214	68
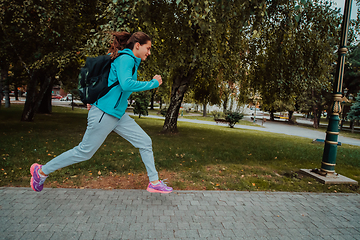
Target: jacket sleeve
124	69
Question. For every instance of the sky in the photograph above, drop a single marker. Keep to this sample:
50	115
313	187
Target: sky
341	4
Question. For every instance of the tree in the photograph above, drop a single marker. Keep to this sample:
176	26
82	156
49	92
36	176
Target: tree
314	101
352	70
206	90
53	32
354	113
141	103
197	35
292	60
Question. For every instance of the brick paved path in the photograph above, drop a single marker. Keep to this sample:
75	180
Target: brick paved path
137	214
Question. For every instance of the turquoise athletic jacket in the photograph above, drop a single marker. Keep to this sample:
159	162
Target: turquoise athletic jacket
115	101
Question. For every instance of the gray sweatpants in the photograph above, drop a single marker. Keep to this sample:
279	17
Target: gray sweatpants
99	126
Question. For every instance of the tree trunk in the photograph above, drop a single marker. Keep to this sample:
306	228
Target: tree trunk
316	125
315	110
318	116
1	88
16	92
33	99
290	116
153	92
45	104
232	103
204	110
4	77
180	85
352	125
341	124
226	99
272	116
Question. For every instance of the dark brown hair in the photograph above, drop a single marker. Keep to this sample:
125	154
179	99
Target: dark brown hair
122	40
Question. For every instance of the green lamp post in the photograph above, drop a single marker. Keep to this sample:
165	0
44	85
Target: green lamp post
329	156
326	174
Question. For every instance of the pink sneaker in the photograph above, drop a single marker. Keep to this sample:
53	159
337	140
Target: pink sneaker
159	188
36	182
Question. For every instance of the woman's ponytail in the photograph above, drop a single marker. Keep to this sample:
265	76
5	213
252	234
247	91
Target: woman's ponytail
124	39
118	43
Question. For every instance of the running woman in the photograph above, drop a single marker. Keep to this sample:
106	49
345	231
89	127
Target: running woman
107	114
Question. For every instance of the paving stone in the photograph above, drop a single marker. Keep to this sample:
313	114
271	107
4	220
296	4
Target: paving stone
11	235
87	235
65	235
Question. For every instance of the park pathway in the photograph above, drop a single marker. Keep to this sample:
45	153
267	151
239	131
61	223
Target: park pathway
276	127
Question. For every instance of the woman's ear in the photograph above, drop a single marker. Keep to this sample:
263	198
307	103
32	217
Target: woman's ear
137	45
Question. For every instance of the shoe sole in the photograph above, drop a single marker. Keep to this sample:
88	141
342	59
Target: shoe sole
156	191
32	174
32	184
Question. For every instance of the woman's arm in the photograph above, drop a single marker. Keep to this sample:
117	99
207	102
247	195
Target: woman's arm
124	73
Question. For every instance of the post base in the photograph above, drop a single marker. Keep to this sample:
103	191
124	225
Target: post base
328	178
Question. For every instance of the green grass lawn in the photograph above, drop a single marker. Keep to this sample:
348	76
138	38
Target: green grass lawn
198	157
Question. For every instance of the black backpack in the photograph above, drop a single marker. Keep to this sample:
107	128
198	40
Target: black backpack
93	78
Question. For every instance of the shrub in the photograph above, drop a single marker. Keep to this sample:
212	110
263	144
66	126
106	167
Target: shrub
233	118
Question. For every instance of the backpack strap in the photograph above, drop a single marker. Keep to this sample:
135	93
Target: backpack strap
112	85
117	82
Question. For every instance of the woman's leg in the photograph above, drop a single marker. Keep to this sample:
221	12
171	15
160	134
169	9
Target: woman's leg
99	126
132	132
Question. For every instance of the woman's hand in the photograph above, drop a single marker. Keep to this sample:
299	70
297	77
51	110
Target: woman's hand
88	106
158	78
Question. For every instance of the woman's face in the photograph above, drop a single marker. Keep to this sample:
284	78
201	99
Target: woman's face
142	51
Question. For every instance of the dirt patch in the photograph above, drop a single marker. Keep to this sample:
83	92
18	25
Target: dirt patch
130	181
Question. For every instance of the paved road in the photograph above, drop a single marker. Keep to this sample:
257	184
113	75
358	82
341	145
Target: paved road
137	214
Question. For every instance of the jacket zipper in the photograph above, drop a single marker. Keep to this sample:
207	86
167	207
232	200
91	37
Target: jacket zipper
118	101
